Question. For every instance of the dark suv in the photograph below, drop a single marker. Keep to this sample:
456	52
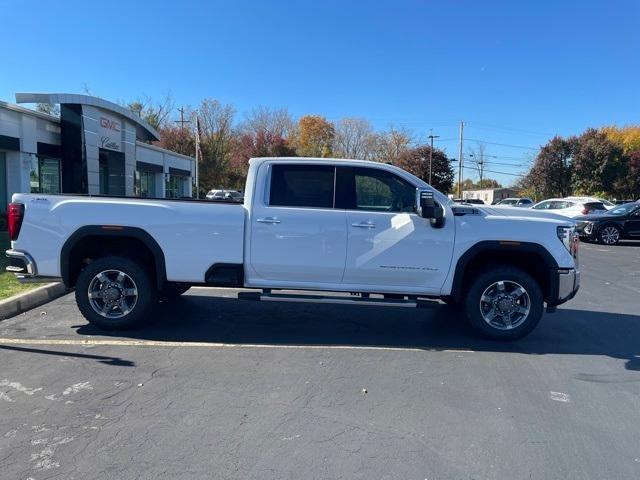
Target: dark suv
622	221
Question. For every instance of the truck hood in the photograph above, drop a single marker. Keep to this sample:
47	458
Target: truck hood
517	213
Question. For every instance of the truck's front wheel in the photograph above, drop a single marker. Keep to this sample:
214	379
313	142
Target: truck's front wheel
115	293
504	303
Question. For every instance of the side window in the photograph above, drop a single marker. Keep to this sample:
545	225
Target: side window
302	186
382	191
543	206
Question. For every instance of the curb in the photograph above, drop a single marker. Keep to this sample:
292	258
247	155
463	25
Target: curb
22	302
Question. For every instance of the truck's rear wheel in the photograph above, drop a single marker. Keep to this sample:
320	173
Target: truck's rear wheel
115	293
504	303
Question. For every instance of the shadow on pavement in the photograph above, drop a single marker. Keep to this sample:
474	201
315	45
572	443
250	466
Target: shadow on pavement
226	320
115	361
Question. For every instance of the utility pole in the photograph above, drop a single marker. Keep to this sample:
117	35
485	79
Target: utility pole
197	155
431	137
460	161
182	121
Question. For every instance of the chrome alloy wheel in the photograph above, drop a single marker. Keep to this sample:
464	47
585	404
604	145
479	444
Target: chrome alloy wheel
505	305
610	235
112	294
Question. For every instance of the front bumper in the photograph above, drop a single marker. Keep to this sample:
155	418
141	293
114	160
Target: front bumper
567	284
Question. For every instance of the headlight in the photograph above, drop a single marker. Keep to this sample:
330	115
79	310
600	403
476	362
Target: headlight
569	238
588	228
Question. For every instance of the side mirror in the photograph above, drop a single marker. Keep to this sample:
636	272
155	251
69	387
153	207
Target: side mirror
427	207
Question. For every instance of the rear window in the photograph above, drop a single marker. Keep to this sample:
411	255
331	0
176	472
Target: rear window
302	186
595	206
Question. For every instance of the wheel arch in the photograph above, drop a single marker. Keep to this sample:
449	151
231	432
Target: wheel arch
100	240
531	257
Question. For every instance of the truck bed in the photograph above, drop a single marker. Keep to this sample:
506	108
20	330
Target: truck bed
193	234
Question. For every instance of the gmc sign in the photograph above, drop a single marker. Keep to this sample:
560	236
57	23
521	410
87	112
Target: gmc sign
109	124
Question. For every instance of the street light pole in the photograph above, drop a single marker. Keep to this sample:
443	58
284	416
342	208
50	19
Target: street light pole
431	137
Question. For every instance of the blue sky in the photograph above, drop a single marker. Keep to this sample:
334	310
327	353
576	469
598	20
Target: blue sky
516	72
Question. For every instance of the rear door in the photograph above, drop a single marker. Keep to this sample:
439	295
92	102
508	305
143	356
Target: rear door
389	245
297	236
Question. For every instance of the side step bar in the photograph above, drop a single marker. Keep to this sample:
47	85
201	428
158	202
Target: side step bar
343	300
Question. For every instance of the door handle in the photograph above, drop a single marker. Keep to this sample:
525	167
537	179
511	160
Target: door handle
364	225
269	220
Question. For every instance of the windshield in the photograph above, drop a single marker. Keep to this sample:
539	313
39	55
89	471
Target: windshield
508	202
623	209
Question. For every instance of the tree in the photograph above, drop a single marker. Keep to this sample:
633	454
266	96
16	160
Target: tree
216	142
469	184
157	114
315	136
269	122
416	161
550	175
627	137
478	158
179	140
628	186
597	163
249	145
354	138
48	109
390	145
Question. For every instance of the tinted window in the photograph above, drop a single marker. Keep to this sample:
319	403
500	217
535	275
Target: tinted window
302	186
594	206
381	191
525	201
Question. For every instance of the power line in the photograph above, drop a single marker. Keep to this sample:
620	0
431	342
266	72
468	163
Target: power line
504	144
488	126
506	173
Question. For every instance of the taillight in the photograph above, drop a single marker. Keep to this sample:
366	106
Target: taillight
15	215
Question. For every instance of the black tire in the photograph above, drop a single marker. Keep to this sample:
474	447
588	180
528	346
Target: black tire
173	290
141	310
609	235
510	276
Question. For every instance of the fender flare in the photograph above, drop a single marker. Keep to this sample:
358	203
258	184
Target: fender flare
507	246
112	231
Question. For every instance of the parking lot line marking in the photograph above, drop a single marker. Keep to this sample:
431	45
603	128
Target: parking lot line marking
160	343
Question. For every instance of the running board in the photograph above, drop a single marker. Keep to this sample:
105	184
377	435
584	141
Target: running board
342	300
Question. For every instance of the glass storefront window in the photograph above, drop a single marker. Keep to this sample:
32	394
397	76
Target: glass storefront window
175	186
145	185
45	175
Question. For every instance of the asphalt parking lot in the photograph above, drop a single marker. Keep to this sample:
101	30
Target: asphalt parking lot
223	388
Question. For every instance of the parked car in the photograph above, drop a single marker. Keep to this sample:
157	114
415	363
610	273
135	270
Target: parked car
622	221
226	195
607	204
516	202
308	224
570	208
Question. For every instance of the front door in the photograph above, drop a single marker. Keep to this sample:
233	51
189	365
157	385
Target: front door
297	236
389	245
632	226
3	182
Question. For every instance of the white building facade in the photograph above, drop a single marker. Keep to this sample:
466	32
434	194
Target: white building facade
95	147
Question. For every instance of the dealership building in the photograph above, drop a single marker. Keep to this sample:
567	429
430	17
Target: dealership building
94	147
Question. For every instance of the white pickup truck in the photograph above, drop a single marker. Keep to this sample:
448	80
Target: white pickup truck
369	232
